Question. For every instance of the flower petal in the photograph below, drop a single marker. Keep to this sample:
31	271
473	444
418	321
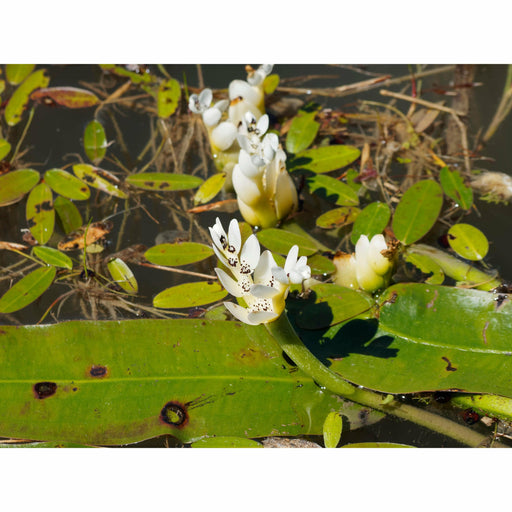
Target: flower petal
211	116
234	237
280	275
246	164
291	259
250	253
239	312
262	125
264	292
246	189
261	317
222	105
205	97
263	271
229	284
224	134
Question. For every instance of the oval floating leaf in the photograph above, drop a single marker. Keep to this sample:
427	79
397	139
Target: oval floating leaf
40	213
100	179
68	213
333	190
372	220
190	295
270	83
302	132
174	255
226	442
210	188
169	93
122	275
27	289
95	141
5	147
417	211
468	242
16	73
20	97
164	181
70	97
333	426
15	184
454	187
337	218
280	241
325	159
67	185
53	257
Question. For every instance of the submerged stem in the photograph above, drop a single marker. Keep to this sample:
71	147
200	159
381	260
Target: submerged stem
284	334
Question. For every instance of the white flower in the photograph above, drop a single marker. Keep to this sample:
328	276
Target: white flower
258	280
199	103
256	77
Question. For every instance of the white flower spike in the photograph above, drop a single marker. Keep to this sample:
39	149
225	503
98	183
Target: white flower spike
258	280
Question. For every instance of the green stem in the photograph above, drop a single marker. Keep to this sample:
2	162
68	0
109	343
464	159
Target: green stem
284	334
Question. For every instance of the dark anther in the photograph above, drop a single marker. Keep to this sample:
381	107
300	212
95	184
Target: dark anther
173	414
98	371
44	389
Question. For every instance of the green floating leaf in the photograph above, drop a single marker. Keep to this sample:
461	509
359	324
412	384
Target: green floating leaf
468	242
372	221
67	185
489	405
119	382
69	97
169	93
427	265
53	257
5	147
226	442
377	445
454	187
190	295
325	159
333	190
54	444
20	97
164	181
429	338
100	179
280	241
177	254
292	226
95	141
137	78
40	213
68	213
15	184
417	211
270	83
338	217
27	289
332	305
302	132
122	275
320	265
210	188
333	426
16	73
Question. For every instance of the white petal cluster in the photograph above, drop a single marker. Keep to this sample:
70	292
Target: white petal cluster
367	269
255	278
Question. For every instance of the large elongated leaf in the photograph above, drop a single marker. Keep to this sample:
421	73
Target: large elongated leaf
40	213
121	382
190	295
16	73
164	181
174	255
280	241
70	97
66	184
14	185
333	189
325	159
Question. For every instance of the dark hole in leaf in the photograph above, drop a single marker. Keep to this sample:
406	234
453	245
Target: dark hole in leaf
163	185
149	183
173	413
31	223
44	389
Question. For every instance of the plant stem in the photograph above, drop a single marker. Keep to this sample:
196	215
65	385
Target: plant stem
284	334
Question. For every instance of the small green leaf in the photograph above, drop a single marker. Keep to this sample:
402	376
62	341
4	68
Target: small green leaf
427	265
190	295
175	255
337	218
454	187
468	242
333	426
372	220
280	241
27	289
122	275
325	159
302	132
417	211
270	83
136	78
67	185
5	147
169	93
15	184
68	213
95	141
40	213
20	97
226	442
52	256
164	181
69	97
16	73
210	188
332	190
320	265
100	179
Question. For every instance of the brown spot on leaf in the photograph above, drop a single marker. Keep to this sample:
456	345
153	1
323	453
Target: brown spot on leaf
149	183
449	367
174	414
163	185
31	222
44	389
98	371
